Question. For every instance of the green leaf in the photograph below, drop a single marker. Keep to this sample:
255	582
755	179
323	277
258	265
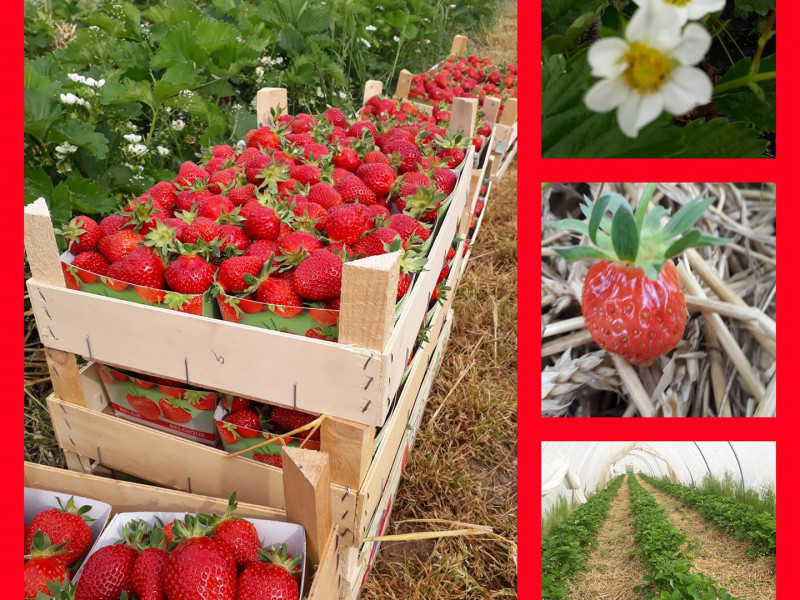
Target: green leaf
582	253
88	197
757	6
624	235
597	215
641	208
139	91
744	105
558	16
561	43
573	225
81	135
313	20
720	138
293	42
686	217
37	183
60	204
41	111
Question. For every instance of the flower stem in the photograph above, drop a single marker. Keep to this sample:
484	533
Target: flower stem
744	81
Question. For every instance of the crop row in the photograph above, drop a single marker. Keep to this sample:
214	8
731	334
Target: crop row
566	551
660	548
726	514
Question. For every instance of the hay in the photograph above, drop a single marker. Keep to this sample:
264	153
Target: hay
725	364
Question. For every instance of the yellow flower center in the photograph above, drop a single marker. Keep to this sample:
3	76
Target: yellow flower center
678	2
648	68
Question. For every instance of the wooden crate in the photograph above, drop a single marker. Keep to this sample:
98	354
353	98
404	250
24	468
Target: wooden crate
131	497
355	379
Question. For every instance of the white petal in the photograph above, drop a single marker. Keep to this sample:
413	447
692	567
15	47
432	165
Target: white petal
655	24
687	88
605	57
606	95
697	9
695	42
637	111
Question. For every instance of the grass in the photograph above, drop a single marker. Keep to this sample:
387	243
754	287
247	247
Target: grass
557	514
730	487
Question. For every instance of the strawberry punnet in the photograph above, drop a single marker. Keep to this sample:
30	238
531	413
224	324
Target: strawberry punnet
632	301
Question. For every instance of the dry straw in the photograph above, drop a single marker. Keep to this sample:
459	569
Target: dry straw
725	364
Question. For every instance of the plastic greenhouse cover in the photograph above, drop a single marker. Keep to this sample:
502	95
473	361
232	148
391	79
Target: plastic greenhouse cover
588	466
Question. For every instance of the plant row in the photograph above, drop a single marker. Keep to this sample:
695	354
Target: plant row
565	552
726	514
660	548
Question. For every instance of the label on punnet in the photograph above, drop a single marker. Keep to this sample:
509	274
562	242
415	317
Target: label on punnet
174	426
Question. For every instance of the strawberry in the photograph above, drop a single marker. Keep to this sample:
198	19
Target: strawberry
201	228
336	117
222	180
238	536
376	242
140	267
445	180
282	558
264	137
375	156
247	422
262	224
118	245
266	582
632	301
280	294
107	573
94	262
41	566
379	177
189	173
144	406
233	236
292	419
346	223
319	277
201	400
213	207
112	224
307	174
236	403
66	524
356	128
276	460
407	227
190	273
242	195
232	271
324	195
81	234
198	567
347	159
263	248
173	409
187	199
152	547
353	189
408	153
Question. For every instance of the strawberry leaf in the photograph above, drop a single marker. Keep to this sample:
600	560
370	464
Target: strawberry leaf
582	252
644	201
686	217
625	235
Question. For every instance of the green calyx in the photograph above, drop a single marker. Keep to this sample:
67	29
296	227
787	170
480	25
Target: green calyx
637	240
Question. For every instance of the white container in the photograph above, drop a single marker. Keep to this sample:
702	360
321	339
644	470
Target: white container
270	533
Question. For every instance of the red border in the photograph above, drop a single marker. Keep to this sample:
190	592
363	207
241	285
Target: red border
780	429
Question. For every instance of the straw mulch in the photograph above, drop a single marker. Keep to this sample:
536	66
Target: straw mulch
725	364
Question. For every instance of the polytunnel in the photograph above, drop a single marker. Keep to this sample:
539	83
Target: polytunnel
574	470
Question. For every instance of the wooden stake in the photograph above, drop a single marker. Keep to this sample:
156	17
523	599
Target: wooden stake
403	85
459	46
306	486
369	295
372	88
267	100
351	446
327	578
491	106
509	116
462	116
45	264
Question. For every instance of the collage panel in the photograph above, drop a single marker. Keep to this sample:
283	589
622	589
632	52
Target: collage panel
658	299
665	519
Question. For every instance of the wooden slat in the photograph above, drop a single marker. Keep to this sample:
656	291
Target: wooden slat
372	88
45	265
369	297
462	116
269	99
403	85
491	106
509	116
307	481
294	371
126	496
507	162
350	446
459	46
327	577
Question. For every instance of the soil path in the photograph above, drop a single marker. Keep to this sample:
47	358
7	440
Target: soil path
613	569
718	555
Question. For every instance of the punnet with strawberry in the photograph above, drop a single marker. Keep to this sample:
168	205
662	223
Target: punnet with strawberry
632	300
259	235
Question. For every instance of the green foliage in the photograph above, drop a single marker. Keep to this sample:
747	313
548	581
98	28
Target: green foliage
660	548
566	549
744	103
743	521
179	76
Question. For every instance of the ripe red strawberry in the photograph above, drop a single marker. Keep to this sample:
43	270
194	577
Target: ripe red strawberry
347	159
263	581
151	544
198	567
375	156
445	180
190	273
336	117
187	199
264	137
408	153
189	173
174	409
375	211
112	224
353	189
355	130
144	406
41	567
306	174
238	536
292	419
346	223
319	277
242	195
234	404
276	460
94	262
324	195
247	421
117	246
452	156
141	267
222	180
262	224
373	243
379	177
299	241
407	227
64	524
263	248
233	236
107	573
213	206
632	301
82	234
200	228
279	292
232	271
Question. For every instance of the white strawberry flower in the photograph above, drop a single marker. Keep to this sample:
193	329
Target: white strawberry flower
691	10
365	42
137	149
651	70
178	124
76	77
89	81
371	28
162	150
66	148
259	71
132	137
68	98
396	38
